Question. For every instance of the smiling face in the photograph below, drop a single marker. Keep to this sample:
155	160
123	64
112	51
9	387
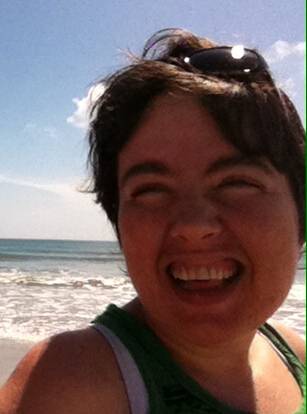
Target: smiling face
210	237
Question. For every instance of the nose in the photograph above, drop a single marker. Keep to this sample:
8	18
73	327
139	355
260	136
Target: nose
196	221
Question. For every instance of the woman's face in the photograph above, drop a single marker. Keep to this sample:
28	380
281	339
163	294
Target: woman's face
210	237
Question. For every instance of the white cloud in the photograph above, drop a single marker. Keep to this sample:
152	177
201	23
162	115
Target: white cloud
80	118
287	62
282	49
288	85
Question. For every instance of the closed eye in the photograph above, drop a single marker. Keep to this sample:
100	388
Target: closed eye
149	190
240	183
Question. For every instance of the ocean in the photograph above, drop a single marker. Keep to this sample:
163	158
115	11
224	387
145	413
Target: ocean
47	286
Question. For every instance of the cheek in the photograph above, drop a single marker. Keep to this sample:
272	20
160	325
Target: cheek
268	233
268	230
141	233
141	241
271	215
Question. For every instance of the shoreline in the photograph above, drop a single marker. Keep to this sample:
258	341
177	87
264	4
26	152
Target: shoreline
11	352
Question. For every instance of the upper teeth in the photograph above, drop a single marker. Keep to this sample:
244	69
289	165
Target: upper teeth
201	273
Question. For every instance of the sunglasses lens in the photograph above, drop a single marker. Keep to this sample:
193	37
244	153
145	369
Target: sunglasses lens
225	60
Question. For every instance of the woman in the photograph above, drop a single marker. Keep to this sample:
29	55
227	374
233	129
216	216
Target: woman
197	159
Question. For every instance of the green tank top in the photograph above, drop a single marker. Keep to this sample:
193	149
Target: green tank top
170	389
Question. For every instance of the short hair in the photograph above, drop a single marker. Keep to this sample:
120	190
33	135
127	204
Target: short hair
254	115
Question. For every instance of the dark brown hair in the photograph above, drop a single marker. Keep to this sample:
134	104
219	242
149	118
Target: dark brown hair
252	113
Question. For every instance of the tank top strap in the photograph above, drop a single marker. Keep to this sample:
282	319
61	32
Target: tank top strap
286	353
135	387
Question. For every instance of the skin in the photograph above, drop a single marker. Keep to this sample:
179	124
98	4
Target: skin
239	216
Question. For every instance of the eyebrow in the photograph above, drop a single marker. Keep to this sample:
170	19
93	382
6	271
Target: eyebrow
156	167
147	167
240	161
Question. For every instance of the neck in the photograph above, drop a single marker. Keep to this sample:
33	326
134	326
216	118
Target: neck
225	360
228	361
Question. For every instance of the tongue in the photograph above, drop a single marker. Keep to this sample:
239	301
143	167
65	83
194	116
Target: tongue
200	284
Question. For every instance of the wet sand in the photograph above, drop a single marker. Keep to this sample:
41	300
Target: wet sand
11	352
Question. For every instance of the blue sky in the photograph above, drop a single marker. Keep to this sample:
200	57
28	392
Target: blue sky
51	52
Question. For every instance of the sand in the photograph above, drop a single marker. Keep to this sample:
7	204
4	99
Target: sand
11	352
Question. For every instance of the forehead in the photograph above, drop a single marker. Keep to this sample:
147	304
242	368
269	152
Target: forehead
174	129
176	114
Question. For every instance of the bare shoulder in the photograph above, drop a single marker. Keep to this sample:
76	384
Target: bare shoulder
295	341
73	372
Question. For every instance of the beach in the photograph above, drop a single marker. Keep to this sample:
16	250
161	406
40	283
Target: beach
11	352
47	287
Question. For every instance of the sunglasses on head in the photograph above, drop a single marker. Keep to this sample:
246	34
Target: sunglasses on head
223	60
231	60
